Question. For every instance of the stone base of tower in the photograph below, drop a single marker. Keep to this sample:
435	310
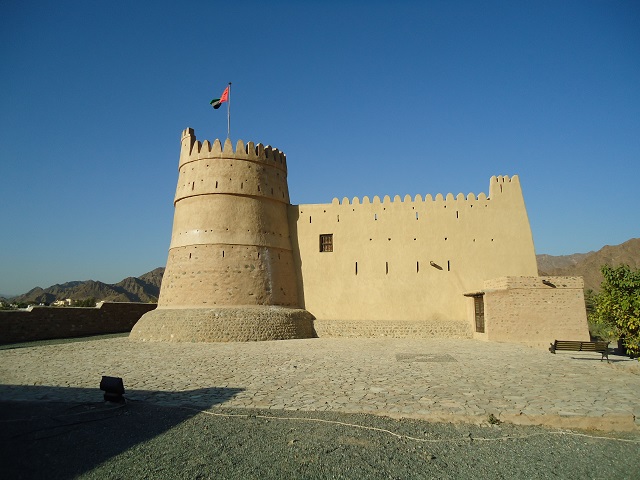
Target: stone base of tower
224	324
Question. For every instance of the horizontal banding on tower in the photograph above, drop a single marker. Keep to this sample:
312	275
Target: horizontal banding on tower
230	219
230	243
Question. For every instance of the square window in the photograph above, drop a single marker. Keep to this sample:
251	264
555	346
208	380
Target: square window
326	242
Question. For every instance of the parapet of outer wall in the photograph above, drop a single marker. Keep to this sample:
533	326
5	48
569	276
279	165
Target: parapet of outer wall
498	185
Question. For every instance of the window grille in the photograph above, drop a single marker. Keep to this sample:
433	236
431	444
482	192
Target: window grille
326	242
478	302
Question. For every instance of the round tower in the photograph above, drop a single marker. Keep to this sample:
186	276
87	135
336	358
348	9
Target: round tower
230	274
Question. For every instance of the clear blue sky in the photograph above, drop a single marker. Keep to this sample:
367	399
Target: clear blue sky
364	97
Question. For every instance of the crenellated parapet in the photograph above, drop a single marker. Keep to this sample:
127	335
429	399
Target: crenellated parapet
250	170
499	186
502	184
408	199
193	150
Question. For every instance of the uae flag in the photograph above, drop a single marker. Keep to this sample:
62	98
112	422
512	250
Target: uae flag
216	102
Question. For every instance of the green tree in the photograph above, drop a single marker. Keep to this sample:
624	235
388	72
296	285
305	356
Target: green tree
596	329
589	297
617	306
87	302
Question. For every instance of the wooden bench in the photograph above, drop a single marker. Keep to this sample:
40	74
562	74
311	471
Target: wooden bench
578	346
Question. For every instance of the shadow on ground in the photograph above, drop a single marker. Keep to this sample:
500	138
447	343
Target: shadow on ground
57	435
63	439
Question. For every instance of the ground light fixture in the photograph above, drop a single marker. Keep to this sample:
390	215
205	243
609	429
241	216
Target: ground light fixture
113	388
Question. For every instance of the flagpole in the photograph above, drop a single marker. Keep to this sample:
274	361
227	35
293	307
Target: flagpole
229	113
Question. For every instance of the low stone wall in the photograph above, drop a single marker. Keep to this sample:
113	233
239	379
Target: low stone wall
45	323
248	323
393	329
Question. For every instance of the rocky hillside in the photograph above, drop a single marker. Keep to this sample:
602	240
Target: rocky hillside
145	289
587	265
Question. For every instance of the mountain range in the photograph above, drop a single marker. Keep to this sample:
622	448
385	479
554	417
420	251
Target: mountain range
588	265
146	288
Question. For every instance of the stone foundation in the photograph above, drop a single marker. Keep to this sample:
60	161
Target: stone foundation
393	329
224	324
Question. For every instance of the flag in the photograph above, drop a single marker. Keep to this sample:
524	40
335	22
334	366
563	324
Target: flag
216	102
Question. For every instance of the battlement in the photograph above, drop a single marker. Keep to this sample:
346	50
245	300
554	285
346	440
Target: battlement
503	183
498	185
193	150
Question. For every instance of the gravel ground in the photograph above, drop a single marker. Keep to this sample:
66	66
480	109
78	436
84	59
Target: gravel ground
143	440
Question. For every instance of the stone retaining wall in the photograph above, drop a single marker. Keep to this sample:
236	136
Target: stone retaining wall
393	329
45	323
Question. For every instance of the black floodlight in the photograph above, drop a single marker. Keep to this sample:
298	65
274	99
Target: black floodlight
113	389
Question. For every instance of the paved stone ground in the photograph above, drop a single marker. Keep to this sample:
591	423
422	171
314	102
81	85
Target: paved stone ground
432	379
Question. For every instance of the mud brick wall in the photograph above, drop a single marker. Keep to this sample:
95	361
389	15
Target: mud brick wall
535	311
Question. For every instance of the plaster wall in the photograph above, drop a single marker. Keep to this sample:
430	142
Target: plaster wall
409	259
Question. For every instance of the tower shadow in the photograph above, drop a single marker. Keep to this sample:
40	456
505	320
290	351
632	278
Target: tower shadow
293	215
65	432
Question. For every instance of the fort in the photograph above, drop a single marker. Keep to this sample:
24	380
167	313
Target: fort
246	264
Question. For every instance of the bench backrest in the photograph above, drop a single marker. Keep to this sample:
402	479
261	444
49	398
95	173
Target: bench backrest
581	346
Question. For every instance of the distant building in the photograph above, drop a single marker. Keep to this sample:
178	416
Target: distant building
67	302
